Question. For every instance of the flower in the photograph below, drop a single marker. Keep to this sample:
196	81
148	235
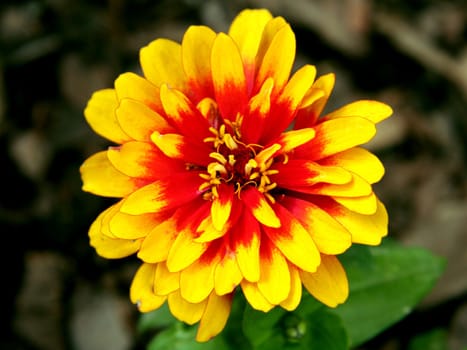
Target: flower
230	177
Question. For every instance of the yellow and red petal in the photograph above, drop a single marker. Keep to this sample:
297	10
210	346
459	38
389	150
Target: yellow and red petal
359	161
292	139
284	108
161	62
274	280
222	206
247	30
165	282
214	317
374	111
258	110
100	115
142	160
329	283
141	290
100	177
335	136
254	297
196	59
177	146
183	114
107	247
246	241
294	242
297	173
185	311
329	235
165	194
132	86
295	294
256	202
228	77
139	121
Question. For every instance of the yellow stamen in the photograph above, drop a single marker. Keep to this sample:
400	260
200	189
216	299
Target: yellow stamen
219	157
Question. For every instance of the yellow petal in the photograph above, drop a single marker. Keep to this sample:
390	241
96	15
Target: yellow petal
139	121
207	231
107	247
214	317
161	62
227	275
100	115
297	87
274	281
157	243
328	234
278	59
295	294
294	241
329	283
357	187
141	290
359	161
133	226
366	205
365	229
254	297
184	251
197	280
185	311
372	110
135	159
166	282
324	83
101	178
133	87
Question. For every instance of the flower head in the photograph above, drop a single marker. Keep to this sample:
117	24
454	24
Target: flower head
229	176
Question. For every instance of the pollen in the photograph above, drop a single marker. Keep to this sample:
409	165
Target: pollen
237	163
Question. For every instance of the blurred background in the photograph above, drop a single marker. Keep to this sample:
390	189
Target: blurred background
58	294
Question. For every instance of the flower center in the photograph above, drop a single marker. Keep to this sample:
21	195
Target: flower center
238	164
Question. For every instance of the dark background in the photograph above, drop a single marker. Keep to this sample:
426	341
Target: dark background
58	294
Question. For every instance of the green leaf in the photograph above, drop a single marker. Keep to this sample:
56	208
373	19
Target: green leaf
386	282
326	331
157	319
435	339
281	330
182	337
258	326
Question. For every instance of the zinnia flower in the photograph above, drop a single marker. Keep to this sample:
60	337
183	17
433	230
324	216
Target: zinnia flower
230	177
